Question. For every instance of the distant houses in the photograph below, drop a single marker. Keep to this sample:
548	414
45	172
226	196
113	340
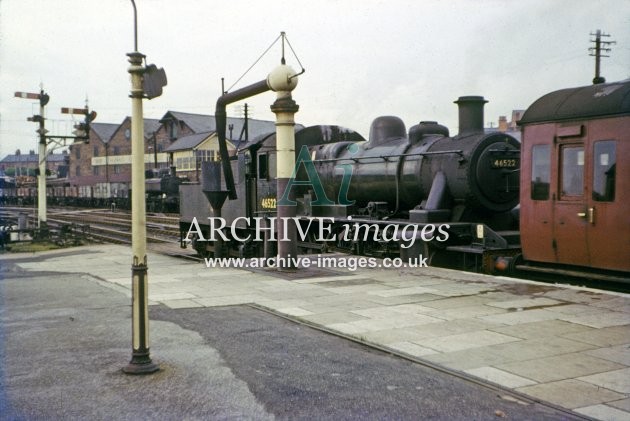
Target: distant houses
101	167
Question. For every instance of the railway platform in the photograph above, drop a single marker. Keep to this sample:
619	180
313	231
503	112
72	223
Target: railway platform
563	347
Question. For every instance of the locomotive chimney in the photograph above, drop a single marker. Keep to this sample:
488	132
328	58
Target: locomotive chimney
470	114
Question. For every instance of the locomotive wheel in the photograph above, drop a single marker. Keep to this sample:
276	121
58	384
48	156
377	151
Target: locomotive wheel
513	262
200	248
429	252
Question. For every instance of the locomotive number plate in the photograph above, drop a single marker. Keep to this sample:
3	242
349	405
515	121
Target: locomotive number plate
268	203
505	163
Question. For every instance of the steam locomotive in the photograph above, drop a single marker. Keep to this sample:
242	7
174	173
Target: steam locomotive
465	185
567	181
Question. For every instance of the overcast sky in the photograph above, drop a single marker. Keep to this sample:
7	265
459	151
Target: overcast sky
363	58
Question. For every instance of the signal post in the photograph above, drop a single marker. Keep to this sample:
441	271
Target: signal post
82	133
41	179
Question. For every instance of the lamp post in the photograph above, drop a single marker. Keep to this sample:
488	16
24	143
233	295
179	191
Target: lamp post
140	357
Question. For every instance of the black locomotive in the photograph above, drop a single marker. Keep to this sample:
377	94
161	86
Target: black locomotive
467	184
162	190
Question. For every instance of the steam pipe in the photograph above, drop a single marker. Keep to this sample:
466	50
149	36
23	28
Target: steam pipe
220	116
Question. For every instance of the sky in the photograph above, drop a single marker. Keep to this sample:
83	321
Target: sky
363	58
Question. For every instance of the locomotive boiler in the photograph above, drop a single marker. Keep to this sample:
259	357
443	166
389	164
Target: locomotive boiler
426	175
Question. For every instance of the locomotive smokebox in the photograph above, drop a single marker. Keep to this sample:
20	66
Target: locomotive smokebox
470	114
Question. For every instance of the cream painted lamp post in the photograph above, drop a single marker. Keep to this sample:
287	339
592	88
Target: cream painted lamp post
145	81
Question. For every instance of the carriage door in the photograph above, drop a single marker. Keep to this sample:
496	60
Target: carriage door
571	215
608	227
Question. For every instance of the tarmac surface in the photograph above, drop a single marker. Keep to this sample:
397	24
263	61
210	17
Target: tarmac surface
243	344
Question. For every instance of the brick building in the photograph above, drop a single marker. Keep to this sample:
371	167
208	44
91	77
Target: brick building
19	164
101	167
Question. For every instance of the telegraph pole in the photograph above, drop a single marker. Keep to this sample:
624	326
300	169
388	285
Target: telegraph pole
600	46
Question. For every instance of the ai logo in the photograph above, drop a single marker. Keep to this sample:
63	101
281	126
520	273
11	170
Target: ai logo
313	180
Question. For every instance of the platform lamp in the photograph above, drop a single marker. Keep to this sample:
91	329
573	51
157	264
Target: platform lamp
145	82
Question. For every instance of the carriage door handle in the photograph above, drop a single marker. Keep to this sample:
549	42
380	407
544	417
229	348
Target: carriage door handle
590	213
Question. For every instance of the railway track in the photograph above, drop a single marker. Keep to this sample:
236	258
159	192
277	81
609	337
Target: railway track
104	226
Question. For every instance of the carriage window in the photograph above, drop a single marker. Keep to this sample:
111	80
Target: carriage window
604	171
263	167
572	170
541	163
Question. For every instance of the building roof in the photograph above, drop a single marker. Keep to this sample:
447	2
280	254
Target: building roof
203	123
151	125
26	157
104	131
188	142
198	123
32	158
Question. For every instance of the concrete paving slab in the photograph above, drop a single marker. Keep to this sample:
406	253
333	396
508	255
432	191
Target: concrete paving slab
229	300
500	377
559	367
276	304
575	309
326	279
466	340
525	303
411	308
457	302
470	358
171	296
519	317
541	329
347	305
469	312
393	311
530	349
599	320
618	380
604	413
402	299
396	292
604	337
294	311
623	404
617	304
452	327
174	304
459	289
410	348
356	289
332	317
571	393
619	354
580	296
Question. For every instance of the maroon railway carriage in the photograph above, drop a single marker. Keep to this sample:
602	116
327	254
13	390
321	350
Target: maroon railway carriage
575	178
